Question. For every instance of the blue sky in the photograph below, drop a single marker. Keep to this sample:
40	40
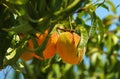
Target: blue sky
100	12
103	12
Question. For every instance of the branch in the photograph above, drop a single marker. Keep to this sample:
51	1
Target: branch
71	6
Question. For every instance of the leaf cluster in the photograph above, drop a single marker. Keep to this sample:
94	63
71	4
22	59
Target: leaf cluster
27	17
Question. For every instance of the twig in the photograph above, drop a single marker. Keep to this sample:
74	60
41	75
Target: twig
65	30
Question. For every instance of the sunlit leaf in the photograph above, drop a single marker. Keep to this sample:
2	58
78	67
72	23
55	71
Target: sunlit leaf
109	43
113	8
84	36
93	27
11	53
115	39
18	2
19	67
101	28
102	59
94	58
93	24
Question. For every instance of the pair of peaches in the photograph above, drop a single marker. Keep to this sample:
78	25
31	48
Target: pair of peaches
65	44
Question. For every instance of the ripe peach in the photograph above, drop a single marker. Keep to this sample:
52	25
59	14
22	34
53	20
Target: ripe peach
49	51
67	48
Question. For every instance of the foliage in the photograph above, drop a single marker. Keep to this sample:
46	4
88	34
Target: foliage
29	17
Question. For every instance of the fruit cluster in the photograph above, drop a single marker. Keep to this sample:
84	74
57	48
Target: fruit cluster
65	43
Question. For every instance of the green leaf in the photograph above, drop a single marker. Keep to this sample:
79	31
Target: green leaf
105	7
5	41
118	6
55	5
94	23
18	66
90	8
42	6
14	53
69	7
18	2
11	53
84	36
22	28
94	58
57	70
93	29
101	28
109	43
113	8
115	39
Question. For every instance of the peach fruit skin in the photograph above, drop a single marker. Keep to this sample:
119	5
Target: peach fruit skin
67	48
